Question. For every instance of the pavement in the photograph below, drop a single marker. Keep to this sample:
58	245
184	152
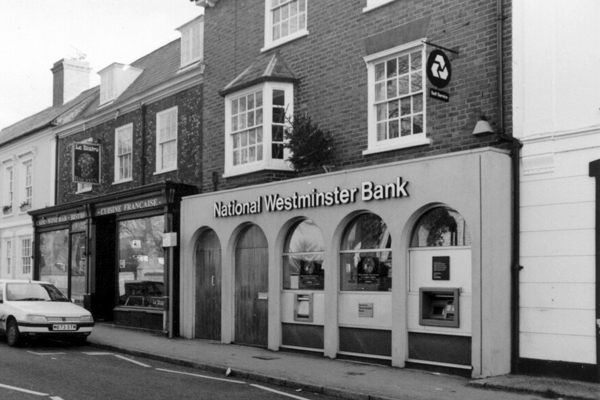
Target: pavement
336	378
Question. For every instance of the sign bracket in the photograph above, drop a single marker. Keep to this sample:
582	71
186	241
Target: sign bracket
454	50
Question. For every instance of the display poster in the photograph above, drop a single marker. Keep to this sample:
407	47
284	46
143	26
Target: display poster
368	270
311	275
440	268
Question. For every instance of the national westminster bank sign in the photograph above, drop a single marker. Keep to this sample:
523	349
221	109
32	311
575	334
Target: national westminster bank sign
368	191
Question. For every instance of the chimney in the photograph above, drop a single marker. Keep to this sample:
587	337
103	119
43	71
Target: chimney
71	77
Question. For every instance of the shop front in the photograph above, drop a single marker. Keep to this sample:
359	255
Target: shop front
115	254
407	264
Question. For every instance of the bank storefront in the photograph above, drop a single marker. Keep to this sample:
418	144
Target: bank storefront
114	255
407	263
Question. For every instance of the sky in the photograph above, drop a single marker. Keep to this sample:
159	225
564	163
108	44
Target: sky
34	34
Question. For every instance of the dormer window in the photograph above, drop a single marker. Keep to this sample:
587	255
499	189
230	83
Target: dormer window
115	79
192	42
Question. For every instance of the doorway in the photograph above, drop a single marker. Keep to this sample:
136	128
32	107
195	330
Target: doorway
208	286
104	297
251	287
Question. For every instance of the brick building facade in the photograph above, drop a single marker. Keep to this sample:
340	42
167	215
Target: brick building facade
122	168
403	253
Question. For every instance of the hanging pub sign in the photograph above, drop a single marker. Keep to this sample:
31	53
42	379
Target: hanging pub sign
86	163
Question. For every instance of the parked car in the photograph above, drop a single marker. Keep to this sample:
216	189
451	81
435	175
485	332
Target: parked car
30	309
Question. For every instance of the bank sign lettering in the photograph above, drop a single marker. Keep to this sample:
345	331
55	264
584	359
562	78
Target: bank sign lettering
274	202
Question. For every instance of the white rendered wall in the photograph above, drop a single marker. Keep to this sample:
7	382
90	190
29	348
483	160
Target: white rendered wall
38	149
557	116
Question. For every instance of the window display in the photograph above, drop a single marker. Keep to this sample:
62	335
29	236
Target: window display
54	256
365	258
441	227
141	262
303	257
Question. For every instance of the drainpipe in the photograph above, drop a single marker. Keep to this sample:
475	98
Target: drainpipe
516	145
143	160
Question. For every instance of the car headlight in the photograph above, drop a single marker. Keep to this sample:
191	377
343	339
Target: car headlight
36	318
86	318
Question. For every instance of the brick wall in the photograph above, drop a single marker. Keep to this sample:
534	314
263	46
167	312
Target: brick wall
189	103
333	75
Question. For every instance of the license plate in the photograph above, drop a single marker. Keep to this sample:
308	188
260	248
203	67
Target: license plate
64	327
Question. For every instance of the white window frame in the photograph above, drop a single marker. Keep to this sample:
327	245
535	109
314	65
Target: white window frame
119	132
8	255
26	253
107	87
27	182
83	187
9	187
163	118
373	4
192	43
270	42
420	139
267	162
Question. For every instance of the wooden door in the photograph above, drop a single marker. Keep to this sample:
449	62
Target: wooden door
251	287
208	286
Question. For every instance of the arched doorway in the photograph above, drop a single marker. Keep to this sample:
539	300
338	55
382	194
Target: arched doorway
251	287
439	315
208	286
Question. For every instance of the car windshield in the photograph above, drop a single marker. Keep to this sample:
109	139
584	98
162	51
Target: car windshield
31	291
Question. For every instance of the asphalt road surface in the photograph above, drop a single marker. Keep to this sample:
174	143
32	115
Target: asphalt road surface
61	371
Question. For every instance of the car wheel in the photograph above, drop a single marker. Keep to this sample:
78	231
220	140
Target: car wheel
13	336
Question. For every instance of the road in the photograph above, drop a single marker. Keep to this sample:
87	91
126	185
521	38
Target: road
62	371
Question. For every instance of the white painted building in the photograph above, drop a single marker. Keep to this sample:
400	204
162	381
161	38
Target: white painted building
556	106
27	165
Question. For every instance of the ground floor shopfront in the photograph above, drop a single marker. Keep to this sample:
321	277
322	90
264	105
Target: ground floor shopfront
408	263
109	254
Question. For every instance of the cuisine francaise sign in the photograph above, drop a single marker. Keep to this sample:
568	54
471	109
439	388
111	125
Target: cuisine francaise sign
274	202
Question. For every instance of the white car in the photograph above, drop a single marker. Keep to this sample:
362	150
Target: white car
31	309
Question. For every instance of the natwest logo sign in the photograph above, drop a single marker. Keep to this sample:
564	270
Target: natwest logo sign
439	70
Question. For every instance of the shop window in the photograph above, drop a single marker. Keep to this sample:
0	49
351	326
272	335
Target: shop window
396	99
78	267
285	20
440	227
365	256
303	257
255	122
166	140
54	253
141	262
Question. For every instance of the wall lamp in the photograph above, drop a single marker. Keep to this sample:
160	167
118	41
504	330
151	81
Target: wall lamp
482	126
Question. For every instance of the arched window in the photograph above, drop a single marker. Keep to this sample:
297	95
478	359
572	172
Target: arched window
365	256
440	227
303	257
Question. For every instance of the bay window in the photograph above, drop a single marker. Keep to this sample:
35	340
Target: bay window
255	124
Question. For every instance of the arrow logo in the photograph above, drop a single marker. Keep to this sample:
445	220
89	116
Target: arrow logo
438	69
